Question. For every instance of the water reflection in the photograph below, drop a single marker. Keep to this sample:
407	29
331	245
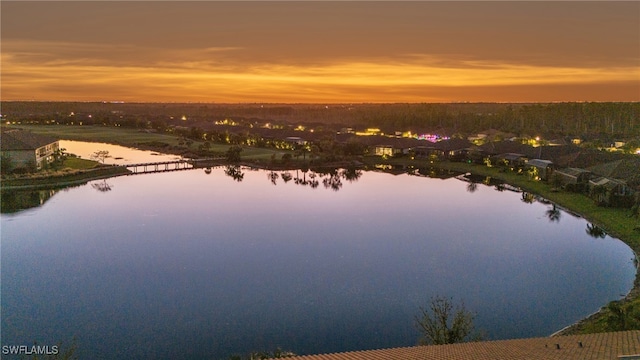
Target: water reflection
102	186
330	178
351	174
235	172
169	262
117	154
553	213
595	231
13	201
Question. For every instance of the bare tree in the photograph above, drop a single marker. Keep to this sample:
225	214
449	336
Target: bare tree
443	323
100	155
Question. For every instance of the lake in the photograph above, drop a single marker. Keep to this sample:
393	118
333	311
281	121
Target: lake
189	264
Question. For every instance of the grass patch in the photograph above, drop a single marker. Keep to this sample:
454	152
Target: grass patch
79	164
111	135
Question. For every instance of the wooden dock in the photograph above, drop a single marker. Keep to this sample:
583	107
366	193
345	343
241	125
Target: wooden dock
174	165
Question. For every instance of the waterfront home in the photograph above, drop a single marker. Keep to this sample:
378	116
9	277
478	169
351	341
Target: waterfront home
24	148
453	149
574	178
511	160
627	169
543	168
386	150
424	151
610	192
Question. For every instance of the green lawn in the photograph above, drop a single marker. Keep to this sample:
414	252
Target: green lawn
111	135
79	164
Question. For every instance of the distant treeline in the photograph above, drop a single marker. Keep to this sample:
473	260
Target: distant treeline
603	120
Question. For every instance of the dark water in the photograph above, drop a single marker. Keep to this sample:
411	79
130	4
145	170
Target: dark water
194	265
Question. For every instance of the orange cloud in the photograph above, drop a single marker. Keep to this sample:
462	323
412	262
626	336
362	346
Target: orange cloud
63	71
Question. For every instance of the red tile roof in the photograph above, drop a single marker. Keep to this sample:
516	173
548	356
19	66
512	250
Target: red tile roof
602	346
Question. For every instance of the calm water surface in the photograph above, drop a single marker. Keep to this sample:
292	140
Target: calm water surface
194	265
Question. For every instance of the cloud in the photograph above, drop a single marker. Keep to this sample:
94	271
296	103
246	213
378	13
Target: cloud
64	70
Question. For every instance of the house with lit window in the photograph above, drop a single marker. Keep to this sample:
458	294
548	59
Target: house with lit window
386	150
24	148
543	168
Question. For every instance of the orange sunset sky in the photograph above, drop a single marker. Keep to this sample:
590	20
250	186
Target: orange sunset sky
320	52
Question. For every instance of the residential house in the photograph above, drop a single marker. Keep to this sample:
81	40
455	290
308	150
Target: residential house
387	150
511	160
25	148
627	169
453	149
295	140
574	179
610	192
543	168
425	151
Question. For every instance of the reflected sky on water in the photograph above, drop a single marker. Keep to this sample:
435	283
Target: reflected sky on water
194	265
118	155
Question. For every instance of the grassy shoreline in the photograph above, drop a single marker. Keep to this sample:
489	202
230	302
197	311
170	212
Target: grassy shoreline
62	179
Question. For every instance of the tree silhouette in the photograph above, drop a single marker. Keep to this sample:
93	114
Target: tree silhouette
102	186
273	177
286	176
595	231
443	323
553	214
351	174
234	172
100	155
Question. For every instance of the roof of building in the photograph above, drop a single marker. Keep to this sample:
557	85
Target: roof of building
452	144
620	169
606	182
539	163
573	171
511	156
601	346
17	139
